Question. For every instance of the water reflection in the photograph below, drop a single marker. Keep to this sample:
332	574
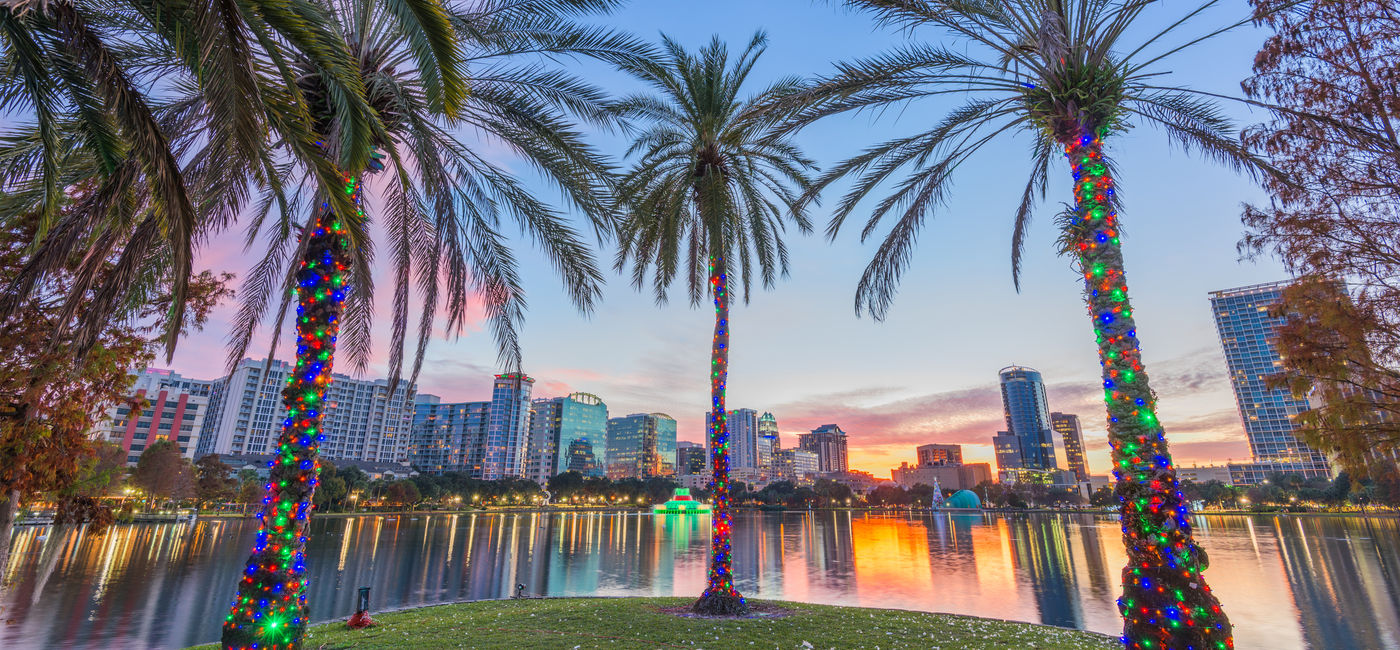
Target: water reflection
1307	582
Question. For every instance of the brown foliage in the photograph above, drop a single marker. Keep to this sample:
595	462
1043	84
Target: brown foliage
1333	66
52	391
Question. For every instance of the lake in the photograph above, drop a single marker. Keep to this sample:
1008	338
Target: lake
1286	582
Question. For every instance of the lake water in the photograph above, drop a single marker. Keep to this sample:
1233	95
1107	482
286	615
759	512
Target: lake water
1286	582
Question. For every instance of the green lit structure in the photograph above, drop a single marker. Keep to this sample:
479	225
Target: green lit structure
681	503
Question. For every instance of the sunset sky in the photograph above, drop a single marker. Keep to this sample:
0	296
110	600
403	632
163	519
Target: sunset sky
928	373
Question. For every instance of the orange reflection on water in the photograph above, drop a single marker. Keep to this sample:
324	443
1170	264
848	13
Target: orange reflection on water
891	559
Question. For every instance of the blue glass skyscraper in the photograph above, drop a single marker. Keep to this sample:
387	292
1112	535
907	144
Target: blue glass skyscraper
567	434
507	427
1247	335
444	435
641	445
1027	418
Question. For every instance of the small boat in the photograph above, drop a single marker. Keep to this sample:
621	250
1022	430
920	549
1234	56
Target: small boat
681	503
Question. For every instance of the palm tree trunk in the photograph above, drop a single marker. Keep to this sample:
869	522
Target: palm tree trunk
271	610
720	597
9	512
1166	603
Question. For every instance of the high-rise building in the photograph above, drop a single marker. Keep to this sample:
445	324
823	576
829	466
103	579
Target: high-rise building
768	442
580	457
362	422
931	455
828	442
691	458
486	440
1247	334
502	453
567	433
1008	449
641	445
443	435
176	409
1028	417
1072	437
796	465
743	439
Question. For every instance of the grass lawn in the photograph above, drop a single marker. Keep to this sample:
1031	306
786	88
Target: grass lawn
567	623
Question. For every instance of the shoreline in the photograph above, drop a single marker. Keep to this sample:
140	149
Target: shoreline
652	622
646	511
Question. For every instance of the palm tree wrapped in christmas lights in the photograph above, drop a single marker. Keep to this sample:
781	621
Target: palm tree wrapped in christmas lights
443	203
1060	71
711	192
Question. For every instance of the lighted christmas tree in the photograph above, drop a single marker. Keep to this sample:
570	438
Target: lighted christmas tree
270	610
720	597
711	203
1166	602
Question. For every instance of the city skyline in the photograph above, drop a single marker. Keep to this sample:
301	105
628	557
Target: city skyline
926	375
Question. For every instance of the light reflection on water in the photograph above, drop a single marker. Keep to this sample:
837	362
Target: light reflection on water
1286	582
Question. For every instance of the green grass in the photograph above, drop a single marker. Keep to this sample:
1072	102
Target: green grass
566	623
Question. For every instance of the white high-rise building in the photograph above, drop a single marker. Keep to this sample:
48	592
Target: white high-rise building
743	439
362	421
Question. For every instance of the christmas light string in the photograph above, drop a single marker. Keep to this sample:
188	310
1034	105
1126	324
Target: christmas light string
1166	604
720	597
270	611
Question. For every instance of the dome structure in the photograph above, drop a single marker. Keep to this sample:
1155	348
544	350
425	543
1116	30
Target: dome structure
963	500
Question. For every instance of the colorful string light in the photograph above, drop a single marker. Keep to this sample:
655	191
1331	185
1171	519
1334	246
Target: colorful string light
1166	604
270	611
720	597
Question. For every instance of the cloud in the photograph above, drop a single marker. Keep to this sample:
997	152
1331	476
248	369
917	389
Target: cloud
883	430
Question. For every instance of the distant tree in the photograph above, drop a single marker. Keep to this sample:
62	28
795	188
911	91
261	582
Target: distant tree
1340	488
831	492
402	493
1042	495
250	492
214	482
1385	483
889	495
659	488
922	494
1103	497
802	497
163	473
430	487
331	489
777	492
355	478
566	485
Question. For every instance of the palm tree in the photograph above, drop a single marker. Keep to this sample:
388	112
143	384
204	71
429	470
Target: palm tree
712	190
443	203
1062	72
92	75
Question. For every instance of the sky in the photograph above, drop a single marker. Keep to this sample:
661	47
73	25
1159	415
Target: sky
928	373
